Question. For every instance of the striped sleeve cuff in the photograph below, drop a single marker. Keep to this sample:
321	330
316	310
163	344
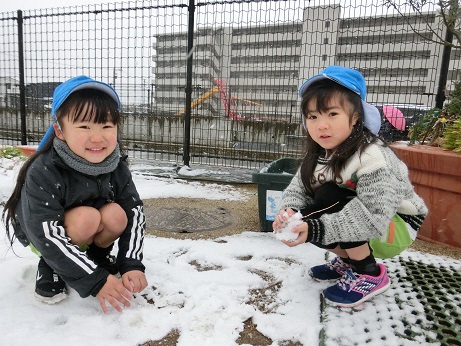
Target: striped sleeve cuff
415	221
315	231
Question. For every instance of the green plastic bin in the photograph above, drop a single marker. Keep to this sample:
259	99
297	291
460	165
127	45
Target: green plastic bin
272	180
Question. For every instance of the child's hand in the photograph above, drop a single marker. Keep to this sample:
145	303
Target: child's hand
302	231
134	281
115	293
281	218
285	232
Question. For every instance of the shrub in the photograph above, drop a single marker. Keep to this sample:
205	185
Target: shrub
440	127
10	152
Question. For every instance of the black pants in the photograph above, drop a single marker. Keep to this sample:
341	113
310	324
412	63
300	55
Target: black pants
330	198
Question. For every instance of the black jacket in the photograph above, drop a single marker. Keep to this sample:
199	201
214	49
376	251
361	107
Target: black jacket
50	188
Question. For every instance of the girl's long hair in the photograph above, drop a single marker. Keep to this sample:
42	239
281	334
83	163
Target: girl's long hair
323	92
84	105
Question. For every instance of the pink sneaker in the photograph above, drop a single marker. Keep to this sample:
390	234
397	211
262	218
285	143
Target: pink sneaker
353	289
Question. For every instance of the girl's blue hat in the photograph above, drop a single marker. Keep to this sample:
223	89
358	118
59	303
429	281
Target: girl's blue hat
354	81
62	92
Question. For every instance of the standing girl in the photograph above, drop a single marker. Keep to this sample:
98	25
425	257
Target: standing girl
75	197
349	186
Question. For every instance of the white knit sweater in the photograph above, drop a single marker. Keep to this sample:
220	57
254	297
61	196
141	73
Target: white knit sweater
383	189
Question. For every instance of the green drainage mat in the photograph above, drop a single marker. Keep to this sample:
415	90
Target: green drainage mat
422	307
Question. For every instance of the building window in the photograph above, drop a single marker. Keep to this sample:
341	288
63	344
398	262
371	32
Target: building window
324	57
325	40
452	75
327	24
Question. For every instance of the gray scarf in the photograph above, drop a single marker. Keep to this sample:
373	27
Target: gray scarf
81	165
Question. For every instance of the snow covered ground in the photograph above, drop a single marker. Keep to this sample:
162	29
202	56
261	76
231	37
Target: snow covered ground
206	289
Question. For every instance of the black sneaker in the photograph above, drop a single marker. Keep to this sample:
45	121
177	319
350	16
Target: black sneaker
103	258
49	287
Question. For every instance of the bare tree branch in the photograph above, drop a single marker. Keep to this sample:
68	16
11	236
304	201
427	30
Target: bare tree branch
448	11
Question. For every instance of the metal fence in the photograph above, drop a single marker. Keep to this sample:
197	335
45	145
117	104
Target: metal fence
215	82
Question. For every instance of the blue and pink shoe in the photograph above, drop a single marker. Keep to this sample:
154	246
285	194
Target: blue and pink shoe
331	271
353	289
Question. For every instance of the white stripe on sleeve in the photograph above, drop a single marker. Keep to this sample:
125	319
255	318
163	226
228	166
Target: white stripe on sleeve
137	234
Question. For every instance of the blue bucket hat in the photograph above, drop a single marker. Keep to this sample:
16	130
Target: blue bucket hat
354	81
62	92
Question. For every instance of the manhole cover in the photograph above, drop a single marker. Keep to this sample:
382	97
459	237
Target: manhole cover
186	219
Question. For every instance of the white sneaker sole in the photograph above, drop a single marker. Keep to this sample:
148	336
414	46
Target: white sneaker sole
51	300
364	299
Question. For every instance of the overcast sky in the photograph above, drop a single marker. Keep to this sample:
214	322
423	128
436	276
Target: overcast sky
34	4
361	7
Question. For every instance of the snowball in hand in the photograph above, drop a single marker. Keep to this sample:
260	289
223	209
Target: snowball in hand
285	232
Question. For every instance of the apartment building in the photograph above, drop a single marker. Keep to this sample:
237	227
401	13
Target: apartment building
261	67
9	88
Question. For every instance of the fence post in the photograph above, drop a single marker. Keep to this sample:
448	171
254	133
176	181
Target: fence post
187	115
441	90
22	86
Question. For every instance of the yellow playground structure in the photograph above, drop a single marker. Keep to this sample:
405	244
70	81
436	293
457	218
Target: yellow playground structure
230	103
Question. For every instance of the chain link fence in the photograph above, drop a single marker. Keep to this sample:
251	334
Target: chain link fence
215	82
